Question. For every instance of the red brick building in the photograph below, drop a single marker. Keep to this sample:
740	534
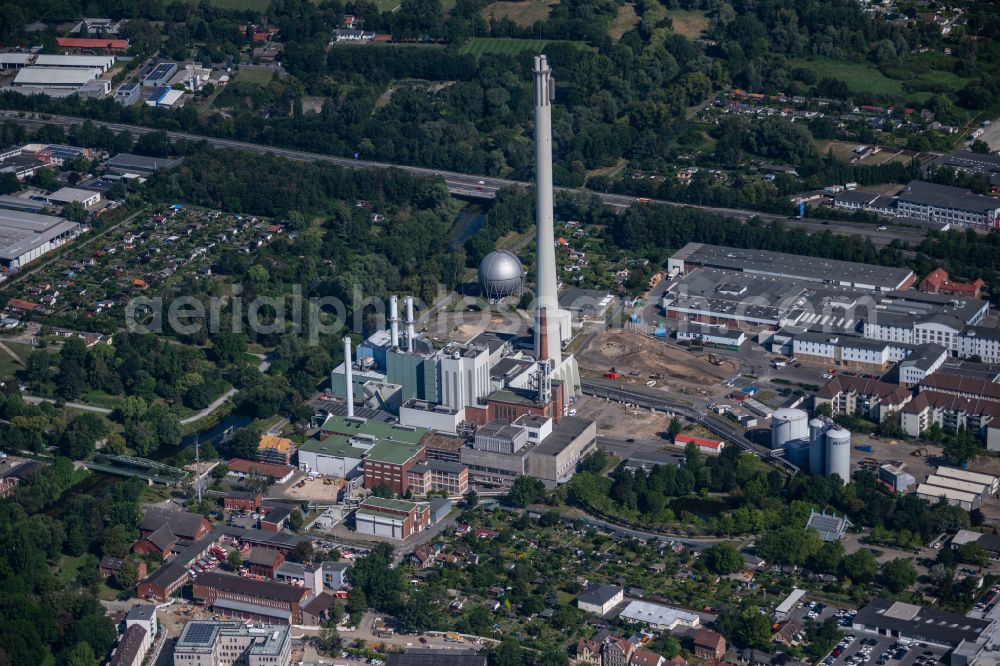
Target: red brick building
389	463
248	599
709	644
163	582
263	561
242	501
509	405
110	566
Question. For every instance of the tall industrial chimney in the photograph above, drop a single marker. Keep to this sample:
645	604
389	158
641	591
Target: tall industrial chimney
349	376
547	308
409	324
394	321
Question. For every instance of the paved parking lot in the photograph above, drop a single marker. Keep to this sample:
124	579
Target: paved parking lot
869	649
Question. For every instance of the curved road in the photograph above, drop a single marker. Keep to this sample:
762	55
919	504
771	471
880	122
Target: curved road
262	367
481	187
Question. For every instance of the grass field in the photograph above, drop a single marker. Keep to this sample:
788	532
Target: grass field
625	21
481	45
525	13
259	76
689	23
865	78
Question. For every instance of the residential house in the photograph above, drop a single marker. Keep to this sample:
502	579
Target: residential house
709	644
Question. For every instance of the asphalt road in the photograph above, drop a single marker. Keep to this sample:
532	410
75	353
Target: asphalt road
472	186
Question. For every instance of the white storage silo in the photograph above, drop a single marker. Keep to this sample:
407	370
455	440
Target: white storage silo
788	425
817	446
838	453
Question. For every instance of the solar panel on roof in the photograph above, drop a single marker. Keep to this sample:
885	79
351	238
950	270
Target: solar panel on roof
201	634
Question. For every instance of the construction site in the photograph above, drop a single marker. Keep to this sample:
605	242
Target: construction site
634	357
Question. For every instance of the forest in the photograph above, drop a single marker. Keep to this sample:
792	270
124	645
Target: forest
50	619
624	99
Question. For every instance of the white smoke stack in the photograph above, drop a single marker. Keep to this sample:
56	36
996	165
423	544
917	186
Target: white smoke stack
547	308
409	324
394	321
349	375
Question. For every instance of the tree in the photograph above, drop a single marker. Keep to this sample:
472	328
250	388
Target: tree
594	462
898	574
823	409
81	435
234	560
962	447
244	444
722	559
525	490
220	471
860	566
81	654
472	498
127	576
675	428
304	551
329	636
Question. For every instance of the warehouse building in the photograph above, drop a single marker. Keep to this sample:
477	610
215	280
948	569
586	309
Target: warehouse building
16	60
396	519
56	78
102	63
127	163
791	266
897	619
962	499
658	616
949	205
722	297
988	480
128	93
160	75
25	237
67	195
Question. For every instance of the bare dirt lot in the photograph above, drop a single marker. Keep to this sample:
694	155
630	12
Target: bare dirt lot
642	424
637	357
312	489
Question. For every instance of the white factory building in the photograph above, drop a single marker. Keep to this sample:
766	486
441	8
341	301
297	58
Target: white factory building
102	63
25	237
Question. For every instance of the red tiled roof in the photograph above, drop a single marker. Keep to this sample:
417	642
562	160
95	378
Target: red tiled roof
700	441
846	383
952	403
21	304
243	466
89	43
946	382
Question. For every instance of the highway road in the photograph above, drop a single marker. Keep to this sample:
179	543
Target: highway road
473	186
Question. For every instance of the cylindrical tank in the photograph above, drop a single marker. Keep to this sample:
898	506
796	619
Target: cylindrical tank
817	446
838	453
788	425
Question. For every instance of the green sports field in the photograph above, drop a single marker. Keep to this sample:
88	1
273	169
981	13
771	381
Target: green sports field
480	45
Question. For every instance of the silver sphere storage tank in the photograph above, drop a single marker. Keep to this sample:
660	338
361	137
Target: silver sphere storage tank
838	453
817	446
788	425
500	275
